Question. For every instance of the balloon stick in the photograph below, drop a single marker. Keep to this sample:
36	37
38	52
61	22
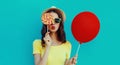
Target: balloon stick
78	49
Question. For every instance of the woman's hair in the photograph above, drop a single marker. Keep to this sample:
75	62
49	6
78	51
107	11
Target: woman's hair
60	32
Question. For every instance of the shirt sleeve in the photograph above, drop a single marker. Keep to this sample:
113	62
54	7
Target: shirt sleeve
37	47
68	50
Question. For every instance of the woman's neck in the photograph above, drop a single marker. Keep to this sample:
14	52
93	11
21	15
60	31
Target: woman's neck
54	38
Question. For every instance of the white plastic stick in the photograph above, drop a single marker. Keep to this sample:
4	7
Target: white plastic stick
47	28
78	49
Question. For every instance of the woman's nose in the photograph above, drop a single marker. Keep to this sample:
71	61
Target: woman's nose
52	23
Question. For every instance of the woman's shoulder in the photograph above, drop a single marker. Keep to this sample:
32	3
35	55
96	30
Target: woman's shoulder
68	44
37	42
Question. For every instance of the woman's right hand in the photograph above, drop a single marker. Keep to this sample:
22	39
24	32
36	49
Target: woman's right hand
47	39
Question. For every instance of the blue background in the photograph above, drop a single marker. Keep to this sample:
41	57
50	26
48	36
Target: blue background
20	24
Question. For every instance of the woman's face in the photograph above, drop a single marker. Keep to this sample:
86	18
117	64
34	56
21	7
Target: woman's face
54	27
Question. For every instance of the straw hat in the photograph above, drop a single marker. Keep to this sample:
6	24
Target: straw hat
53	8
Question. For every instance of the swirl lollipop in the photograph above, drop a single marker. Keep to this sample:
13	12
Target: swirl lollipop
47	19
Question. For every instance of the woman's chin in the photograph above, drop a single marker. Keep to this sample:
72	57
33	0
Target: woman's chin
53	31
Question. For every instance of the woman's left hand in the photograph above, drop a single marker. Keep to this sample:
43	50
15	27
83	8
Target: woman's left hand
73	60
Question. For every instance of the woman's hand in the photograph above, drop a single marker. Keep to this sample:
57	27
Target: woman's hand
47	39
73	60
47	18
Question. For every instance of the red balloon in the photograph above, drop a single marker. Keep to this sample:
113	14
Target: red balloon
85	27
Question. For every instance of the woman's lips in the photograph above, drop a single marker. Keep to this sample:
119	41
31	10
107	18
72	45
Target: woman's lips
53	27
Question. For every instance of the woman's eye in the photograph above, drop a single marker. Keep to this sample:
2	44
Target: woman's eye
57	20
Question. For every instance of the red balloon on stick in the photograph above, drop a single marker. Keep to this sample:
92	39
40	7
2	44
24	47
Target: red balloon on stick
85	27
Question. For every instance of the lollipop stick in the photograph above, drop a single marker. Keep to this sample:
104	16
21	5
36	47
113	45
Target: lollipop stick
47	28
78	49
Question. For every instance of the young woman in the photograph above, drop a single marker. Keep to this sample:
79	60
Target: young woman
52	48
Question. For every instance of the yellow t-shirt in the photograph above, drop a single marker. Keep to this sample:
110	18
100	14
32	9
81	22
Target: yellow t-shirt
57	54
